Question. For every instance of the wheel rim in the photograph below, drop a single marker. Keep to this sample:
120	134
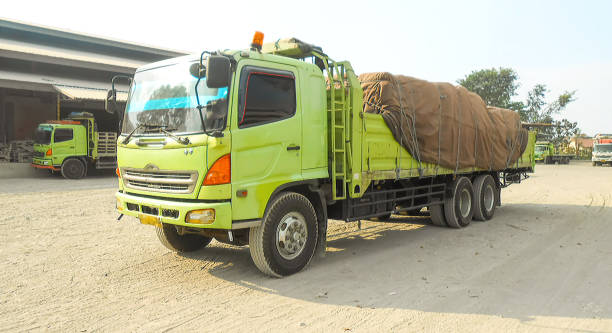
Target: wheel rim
465	203
489	198
291	235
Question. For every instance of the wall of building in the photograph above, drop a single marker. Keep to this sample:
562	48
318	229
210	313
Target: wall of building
22	111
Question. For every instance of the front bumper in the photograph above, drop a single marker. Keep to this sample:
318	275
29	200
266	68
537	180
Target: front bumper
42	163
605	159
152	208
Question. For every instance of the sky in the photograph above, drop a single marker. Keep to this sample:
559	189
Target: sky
566	45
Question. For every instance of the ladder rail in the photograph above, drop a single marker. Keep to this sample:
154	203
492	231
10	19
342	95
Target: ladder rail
337	108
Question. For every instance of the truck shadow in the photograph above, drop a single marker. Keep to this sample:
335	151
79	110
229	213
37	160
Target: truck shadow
530	260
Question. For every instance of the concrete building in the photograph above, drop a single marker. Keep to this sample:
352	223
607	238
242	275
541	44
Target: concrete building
47	73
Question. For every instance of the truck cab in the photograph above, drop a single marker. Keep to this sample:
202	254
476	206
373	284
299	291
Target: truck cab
543	150
56	143
602	152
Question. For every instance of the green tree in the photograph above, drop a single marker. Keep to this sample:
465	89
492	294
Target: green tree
495	86
537	110
563	131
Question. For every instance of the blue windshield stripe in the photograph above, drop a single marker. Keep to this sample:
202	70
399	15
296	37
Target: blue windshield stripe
174	103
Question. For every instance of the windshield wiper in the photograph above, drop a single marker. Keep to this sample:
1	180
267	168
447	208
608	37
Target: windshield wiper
147	127
183	141
129	136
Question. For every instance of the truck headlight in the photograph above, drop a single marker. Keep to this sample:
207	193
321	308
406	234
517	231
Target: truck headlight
201	216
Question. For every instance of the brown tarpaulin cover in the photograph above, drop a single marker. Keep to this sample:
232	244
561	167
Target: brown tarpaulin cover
444	124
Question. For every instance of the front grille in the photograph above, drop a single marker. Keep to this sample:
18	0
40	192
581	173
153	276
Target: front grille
173	213
38	154
149	210
167	181
132	206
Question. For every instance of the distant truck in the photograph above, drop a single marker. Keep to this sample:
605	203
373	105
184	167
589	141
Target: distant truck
602	150
545	152
73	145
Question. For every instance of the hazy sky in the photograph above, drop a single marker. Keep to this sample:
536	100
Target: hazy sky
566	45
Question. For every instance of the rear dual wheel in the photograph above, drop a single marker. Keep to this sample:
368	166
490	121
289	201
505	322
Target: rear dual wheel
457	210
484	197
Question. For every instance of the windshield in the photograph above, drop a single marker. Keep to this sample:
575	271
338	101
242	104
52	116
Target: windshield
42	134
607	148
165	96
540	149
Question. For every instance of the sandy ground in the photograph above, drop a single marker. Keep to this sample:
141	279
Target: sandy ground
542	264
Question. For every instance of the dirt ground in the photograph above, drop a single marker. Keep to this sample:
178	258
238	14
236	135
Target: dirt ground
544	263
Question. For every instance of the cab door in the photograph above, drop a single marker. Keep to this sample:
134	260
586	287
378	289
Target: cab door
63	144
266	135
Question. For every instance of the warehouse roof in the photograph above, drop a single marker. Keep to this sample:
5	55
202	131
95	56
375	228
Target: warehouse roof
77	36
79	66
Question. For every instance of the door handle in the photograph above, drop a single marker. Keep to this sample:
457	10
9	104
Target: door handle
293	148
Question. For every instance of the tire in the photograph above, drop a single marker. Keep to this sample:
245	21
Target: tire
594	163
170	238
459	207
484	197
277	252
436	213
73	168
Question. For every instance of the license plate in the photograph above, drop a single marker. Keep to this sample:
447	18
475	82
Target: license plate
150	220
603	161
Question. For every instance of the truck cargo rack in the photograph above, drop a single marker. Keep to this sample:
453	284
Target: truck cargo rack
381	202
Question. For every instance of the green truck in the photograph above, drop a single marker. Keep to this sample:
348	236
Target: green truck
74	145
199	166
546	153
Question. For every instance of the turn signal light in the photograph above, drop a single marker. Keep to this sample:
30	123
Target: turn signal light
118	172
220	172
257	40
49	152
201	216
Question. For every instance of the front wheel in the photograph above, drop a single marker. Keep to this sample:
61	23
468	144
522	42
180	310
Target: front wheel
171	239
73	168
285	241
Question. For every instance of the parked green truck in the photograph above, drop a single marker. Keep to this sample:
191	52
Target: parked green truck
73	145
545	152
200	166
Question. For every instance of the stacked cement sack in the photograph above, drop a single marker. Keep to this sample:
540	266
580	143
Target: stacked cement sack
444	124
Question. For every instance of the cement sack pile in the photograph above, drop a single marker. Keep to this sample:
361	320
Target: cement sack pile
444	124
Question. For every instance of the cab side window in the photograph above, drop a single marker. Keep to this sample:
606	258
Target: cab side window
62	134
265	96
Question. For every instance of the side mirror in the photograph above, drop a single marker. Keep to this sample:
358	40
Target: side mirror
196	71
111	96
217	71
